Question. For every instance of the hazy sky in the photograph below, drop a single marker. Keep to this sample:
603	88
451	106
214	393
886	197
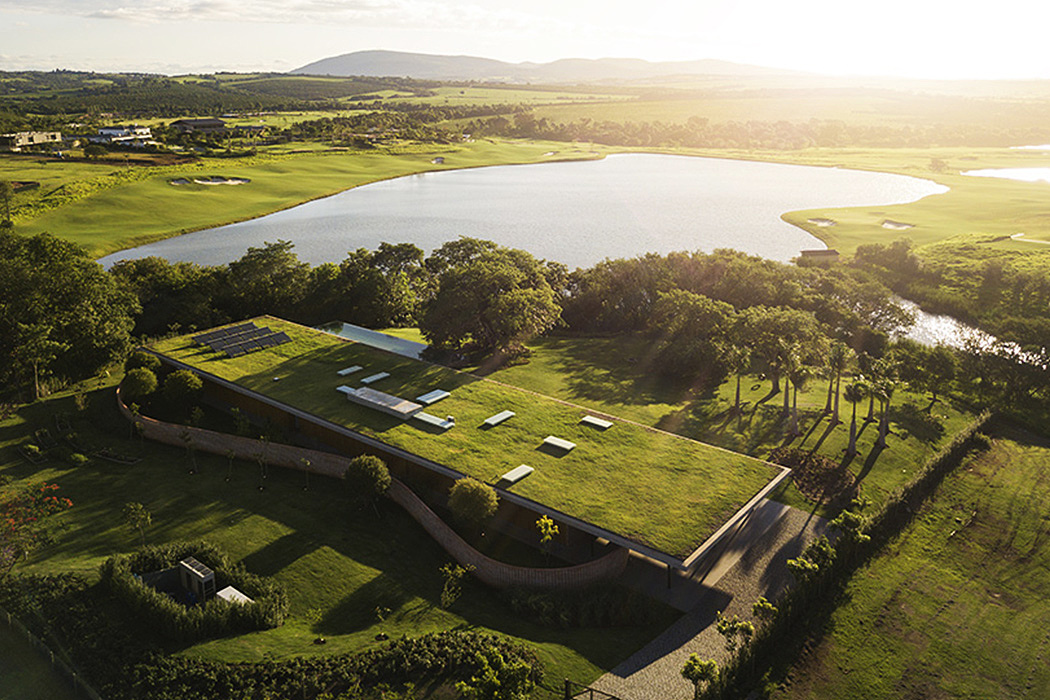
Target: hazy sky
917	38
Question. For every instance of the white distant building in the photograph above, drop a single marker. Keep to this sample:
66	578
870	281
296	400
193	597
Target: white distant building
130	135
19	140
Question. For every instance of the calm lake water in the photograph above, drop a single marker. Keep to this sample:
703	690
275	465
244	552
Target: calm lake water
578	213
1022	174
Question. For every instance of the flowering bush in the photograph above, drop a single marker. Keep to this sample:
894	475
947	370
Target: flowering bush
22	521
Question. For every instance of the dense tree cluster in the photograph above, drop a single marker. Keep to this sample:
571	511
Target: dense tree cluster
60	312
700	132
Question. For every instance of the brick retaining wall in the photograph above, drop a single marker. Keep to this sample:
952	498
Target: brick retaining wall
489	571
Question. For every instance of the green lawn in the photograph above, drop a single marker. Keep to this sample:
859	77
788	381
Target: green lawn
956	607
617	375
338	564
657	489
144	207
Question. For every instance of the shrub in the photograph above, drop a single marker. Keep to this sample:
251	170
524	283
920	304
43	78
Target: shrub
143	359
472	502
597	606
137	383
78	460
366	478
182	387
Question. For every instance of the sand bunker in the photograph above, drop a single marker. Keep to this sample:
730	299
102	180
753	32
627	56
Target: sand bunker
220	180
549	153
1020	237
821	221
896	225
210	180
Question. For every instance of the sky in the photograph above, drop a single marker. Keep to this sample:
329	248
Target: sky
907	38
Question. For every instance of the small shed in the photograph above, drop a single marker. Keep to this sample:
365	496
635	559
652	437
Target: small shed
232	595
197	579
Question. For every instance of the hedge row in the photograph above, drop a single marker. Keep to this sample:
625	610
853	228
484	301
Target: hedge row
97	633
184	623
441	656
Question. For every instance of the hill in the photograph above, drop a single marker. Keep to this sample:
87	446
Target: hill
437	67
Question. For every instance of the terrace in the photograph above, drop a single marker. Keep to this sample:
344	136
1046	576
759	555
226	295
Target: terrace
665	494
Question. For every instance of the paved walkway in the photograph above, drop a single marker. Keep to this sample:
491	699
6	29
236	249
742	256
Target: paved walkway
752	564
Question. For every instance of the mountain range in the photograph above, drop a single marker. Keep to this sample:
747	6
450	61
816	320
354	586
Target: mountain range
437	67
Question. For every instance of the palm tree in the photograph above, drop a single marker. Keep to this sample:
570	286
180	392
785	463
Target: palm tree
798	377
854	393
838	360
885	388
790	361
738	358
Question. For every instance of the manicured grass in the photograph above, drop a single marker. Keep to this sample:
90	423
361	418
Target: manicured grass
25	674
339	564
655	488
957	606
617	375
148	208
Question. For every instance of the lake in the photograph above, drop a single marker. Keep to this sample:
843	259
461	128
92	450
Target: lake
1020	174
577	213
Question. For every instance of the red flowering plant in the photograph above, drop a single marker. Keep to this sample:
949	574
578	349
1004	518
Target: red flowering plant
22	520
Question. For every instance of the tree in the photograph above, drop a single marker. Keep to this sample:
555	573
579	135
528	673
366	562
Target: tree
764	610
548	530
854	393
137	517
493	300
46	283
23	519
36	350
366	478
472	502
736	632
941	368
141	358
94	150
267	280
699	672
182	387
838	360
738	359
451	583
138	384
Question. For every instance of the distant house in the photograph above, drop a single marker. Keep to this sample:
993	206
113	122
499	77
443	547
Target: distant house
22	139
120	135
199	126
823	256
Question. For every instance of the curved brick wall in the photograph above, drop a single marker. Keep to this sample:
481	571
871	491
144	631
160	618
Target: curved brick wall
491	572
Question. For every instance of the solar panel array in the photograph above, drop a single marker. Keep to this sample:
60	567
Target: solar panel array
241	339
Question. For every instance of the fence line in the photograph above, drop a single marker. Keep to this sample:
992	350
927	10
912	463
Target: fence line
80	686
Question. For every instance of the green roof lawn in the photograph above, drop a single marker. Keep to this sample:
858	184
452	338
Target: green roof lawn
661	490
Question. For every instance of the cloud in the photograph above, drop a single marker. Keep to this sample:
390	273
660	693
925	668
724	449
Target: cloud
389	13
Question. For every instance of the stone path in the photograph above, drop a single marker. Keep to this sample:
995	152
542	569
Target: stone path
751	564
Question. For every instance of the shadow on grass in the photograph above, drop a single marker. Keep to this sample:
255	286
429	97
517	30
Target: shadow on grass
923	426
614	370
280	553
361	609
